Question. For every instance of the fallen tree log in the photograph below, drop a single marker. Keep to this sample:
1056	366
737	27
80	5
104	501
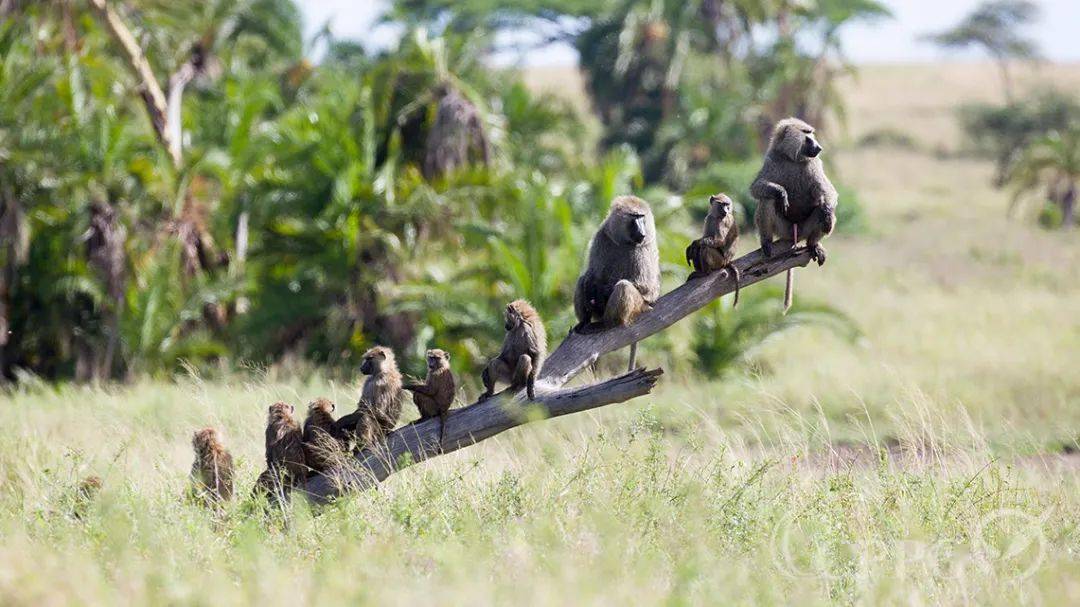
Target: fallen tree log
466	426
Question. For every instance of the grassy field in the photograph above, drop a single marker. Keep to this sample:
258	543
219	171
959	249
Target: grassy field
932	463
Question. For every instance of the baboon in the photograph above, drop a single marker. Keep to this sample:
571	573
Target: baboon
285	464
212	470
716	247
380	399
87	490
324	446
436	394
523	351
796	201
622	276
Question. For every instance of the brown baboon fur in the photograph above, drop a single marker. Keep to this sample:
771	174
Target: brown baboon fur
380	400
324	446
796	201
523	352
434	396
622	276
212	470
716	248
285	464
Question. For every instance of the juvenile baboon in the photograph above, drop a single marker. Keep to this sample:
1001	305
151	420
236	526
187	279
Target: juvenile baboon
622	276
324	446
380	399
716	247
796	201
523	351
285	464
212	470
436	394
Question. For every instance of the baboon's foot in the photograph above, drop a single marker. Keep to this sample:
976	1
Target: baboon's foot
766	248
693	275
817	253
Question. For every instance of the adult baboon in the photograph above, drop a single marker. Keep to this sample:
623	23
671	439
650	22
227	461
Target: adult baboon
796	201
622	276
380	399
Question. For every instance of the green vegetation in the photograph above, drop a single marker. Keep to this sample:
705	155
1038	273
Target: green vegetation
252	207
633	509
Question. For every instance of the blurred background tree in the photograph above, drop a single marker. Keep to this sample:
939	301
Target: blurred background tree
996	27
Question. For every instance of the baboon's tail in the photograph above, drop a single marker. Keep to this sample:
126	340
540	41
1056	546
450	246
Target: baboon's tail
789	288
735	274
633	357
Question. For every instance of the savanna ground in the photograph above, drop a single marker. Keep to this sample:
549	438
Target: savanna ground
933	462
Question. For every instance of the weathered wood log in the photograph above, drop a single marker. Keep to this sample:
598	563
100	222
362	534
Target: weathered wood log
419	441
468	425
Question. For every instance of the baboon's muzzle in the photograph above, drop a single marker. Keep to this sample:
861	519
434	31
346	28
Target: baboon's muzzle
637	230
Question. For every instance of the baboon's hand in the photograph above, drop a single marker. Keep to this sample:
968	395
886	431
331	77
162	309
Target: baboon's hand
817	252
828	217
782	204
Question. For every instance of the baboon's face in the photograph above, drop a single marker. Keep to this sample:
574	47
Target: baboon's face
437	359
280	411
512	319
721	205
373	362
810	147
629	228
799	142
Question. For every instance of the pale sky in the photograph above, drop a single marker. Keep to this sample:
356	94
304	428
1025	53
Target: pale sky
893	40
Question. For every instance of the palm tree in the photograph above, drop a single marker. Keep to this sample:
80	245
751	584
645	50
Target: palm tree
995	27
1052	165
724	338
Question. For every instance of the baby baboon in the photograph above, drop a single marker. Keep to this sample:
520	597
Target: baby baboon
436	394
212	471
285	464
380	399
523	352
622	276
324	446
716	247
796	201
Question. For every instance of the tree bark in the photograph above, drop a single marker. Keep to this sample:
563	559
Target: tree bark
419	441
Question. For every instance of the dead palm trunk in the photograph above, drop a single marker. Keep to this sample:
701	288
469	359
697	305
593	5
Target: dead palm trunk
105	250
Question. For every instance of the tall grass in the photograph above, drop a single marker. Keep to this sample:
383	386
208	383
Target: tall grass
629	504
